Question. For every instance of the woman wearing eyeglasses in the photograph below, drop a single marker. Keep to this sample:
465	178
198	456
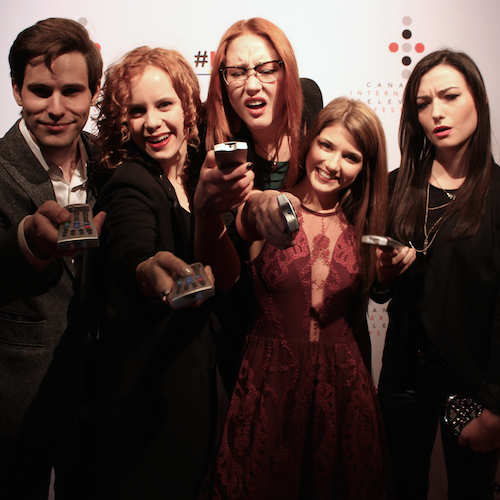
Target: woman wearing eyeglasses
255	96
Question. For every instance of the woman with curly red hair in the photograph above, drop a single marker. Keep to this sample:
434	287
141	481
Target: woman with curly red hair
159	374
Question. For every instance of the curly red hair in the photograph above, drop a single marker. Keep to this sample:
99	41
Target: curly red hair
114	135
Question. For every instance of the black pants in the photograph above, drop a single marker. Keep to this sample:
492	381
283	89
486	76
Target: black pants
25	468
411	416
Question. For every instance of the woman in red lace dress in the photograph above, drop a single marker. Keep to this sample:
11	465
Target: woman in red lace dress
304	422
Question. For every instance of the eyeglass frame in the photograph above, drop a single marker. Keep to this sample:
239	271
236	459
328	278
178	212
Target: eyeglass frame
279	61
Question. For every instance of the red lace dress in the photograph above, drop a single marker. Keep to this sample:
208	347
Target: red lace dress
304	422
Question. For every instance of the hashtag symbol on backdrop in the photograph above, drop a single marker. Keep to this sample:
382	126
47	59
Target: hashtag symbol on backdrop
201	59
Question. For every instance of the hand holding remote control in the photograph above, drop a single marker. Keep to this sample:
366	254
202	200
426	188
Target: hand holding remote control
230	154
41	231
190	289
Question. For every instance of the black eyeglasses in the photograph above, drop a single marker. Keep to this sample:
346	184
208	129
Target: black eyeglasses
236	76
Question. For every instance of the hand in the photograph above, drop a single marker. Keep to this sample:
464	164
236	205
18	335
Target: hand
156	276
221	191
269	221
392	262
41	229
483	433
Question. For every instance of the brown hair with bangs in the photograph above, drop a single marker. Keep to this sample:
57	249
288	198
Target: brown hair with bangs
46	40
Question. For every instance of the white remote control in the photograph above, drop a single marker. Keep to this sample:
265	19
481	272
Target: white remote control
79	231
291	220
192	288
230	154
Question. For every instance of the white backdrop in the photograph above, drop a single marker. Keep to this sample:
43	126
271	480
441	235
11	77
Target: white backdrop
345	46
353	48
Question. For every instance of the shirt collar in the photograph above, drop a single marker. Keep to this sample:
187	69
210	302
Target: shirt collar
82	163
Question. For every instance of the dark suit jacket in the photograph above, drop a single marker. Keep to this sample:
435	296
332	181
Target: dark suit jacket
459	305
42	326
158	364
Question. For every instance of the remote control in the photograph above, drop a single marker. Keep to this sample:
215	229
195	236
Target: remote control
192	288
381	241
291	220
79	231
230	154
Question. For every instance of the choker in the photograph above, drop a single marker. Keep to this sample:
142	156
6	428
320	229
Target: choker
321	214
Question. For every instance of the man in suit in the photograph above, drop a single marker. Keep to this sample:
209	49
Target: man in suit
45	318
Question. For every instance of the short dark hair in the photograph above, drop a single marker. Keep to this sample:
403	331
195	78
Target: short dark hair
49	39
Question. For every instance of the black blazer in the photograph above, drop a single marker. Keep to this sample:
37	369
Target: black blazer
42	324
459	305
159	364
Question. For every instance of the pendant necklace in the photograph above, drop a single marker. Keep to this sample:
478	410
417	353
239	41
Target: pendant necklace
451	196
427	234
269	157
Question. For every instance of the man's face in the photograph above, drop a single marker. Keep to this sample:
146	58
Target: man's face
56	103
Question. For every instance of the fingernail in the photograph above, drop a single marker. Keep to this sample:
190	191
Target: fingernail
187	271
250	166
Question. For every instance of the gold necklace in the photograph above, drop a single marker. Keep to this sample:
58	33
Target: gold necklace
427	245
451	196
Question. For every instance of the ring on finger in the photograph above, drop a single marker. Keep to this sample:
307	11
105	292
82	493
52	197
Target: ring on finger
165	294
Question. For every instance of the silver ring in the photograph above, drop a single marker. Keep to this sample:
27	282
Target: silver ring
165	294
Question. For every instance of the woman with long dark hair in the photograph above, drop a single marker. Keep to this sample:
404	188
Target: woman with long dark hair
444	333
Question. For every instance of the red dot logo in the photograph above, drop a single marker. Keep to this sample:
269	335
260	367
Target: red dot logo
406	46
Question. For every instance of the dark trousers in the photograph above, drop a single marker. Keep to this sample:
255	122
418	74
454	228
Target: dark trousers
411	417
25	468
